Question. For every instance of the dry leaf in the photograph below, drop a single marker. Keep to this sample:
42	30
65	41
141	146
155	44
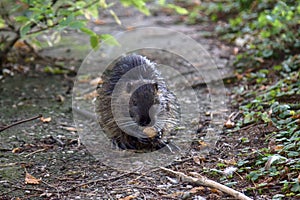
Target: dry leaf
230	161
202	143
261	60
45	120
235	51
29	179
90	95
99	21
16	150
197	160
129	197
196	189
60	98
216	191
130	28
70	129
21	45
278	147
96	81
229	124
273	159
239	76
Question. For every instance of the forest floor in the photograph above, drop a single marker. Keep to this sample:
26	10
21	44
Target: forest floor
63	168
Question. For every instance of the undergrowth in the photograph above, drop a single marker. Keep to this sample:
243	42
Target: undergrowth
267	92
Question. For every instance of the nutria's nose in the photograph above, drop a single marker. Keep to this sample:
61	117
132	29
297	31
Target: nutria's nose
144	121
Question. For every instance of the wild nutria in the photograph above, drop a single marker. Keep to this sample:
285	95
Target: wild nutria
134	83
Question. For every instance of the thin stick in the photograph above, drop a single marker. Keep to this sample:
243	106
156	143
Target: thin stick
37	151
202	180
20	122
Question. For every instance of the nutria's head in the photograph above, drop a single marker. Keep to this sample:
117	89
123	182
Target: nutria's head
143	104
135	106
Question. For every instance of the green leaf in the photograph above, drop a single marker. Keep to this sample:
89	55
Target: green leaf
2	23
92	11
139	4
25	29
277	67
94	41
161	2
88	31
296	187
103	4
178	9
109	39
21	19
77	24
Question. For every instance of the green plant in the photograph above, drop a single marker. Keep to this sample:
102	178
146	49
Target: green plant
268	64
26	19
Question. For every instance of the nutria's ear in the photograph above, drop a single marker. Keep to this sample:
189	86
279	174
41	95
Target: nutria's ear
128	87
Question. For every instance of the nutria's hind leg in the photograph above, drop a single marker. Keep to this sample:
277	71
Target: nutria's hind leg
124	143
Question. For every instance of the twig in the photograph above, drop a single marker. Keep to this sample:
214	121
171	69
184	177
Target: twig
202	180
20	122
243	128
8	164
39	150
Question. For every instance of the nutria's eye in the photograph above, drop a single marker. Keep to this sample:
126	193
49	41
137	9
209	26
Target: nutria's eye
155	86
128	87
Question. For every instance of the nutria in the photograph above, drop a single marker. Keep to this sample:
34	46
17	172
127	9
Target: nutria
153	109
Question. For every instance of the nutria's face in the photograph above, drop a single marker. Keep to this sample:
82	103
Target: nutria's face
142	105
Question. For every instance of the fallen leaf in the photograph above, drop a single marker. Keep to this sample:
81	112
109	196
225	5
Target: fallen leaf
229	124
21	45
29	179
70	129
196	189
197	160
129	197
90	95
60	98
16	150
261	60
96	81
229	170
130	28
230	161
202	143
46	120
235	50
239	76
216	191
272	159
99	21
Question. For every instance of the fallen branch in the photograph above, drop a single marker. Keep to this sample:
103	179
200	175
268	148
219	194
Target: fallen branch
20	122
204	181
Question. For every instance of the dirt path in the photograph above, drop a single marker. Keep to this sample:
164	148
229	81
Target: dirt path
50	151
